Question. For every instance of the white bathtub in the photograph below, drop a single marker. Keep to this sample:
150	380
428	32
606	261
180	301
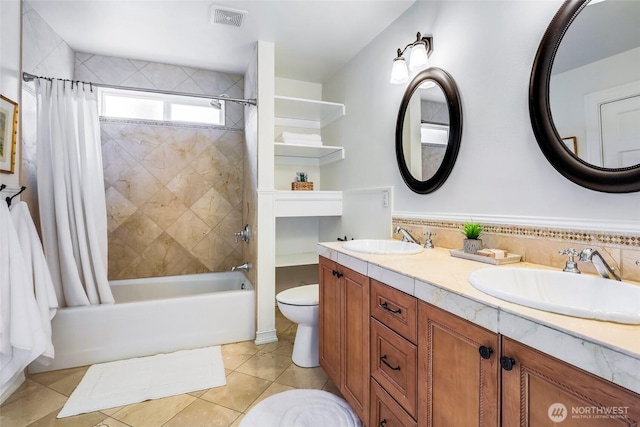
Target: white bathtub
155	315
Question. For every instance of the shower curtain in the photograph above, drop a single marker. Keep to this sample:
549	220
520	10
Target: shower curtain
71	191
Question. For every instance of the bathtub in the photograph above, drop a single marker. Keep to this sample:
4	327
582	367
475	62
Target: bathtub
155	315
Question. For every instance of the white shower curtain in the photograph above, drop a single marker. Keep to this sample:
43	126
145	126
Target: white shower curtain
71	192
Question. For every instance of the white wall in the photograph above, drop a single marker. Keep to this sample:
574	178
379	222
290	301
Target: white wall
10	81
488	47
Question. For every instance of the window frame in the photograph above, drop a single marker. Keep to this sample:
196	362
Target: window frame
168	101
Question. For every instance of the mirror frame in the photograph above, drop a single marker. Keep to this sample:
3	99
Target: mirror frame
621	180
448	86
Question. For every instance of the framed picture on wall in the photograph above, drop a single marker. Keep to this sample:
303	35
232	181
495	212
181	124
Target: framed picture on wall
571	144
8	134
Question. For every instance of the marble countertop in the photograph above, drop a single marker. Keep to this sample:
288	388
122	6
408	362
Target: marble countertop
609	350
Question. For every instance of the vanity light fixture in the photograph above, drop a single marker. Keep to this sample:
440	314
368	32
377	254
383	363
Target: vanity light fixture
418	61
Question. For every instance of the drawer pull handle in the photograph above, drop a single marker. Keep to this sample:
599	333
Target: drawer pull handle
385	306
383	423
485	352
507	363
337	274
383	359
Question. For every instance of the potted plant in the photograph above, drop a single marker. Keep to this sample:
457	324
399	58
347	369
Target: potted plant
472	230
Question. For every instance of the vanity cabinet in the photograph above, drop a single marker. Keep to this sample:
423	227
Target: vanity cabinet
459	385
538	382
429	367
344	332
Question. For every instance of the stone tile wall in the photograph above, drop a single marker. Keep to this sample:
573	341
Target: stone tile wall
174	198
173	191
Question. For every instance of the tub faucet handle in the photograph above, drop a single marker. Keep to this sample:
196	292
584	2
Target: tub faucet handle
243	234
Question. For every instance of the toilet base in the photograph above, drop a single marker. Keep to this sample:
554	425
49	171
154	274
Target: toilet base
305	347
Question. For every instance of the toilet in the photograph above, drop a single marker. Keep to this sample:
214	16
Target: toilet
300	305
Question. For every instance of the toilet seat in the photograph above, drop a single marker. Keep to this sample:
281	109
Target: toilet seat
307	295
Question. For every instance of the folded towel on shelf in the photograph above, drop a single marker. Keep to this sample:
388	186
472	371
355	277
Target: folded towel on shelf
37	272
312	139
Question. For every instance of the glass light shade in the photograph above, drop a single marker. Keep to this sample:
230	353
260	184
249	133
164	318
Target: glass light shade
419	58
399	72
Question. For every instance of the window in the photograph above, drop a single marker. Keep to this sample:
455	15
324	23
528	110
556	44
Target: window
129	104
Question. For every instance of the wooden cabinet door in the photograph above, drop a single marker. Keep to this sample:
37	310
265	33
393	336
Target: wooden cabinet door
355	341
540	390
456	385
329	319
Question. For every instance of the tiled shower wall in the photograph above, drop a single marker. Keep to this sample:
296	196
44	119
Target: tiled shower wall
174	198
173	191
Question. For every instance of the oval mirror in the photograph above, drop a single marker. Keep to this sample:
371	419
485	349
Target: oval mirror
584	94
428	130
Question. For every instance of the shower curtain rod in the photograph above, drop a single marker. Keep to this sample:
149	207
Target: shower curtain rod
27	77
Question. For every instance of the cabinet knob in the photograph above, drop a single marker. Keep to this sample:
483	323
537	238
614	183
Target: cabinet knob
485	352
507	363
383	423
337	274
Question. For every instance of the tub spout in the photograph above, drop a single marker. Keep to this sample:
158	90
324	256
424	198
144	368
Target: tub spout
246	266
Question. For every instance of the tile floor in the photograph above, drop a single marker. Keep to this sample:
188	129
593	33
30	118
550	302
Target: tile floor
254	372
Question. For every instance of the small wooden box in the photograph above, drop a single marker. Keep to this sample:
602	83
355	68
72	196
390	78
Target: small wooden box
302	186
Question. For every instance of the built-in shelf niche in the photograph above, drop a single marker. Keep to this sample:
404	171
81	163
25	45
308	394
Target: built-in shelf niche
306	113
289	260
293	154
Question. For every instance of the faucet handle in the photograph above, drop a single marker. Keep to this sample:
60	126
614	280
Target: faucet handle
571	266
243	234
428	243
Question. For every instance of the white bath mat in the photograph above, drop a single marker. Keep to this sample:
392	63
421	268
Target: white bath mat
302	408
124	382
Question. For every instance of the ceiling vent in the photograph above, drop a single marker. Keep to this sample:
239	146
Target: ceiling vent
227	16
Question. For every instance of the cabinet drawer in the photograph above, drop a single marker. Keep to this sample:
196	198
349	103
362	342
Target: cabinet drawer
394	363
395	309
385	412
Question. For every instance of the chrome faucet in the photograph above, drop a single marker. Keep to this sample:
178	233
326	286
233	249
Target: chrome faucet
605	270
246	266
406	236
571	266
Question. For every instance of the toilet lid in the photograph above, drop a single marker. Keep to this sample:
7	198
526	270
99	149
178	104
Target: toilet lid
300	295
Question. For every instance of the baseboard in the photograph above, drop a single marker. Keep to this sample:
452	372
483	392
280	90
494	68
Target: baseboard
266	337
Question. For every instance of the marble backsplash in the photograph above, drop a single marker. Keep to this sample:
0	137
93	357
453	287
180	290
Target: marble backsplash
538	245
174	198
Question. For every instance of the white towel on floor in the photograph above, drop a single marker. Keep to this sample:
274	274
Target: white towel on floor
37	272
22	338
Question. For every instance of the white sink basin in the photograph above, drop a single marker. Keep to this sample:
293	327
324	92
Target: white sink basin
386	247
575	295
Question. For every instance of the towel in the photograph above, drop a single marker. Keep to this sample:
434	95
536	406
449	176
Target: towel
22	338
37	272
312	139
